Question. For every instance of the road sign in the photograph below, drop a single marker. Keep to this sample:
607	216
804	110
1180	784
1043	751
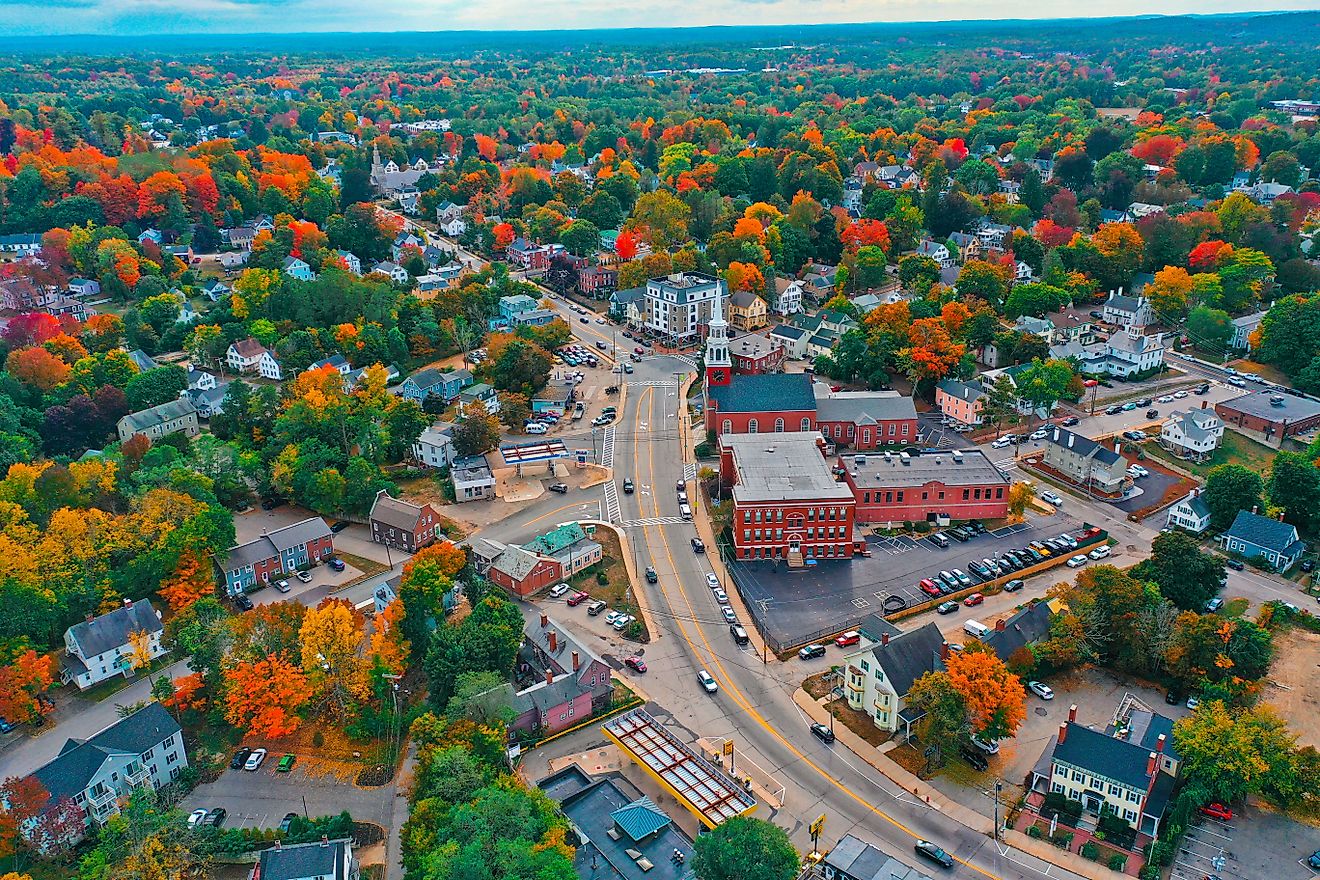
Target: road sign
728	747
818	826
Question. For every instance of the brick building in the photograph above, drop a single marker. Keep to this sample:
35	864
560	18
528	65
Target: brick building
403	525
900	488
865	419
277	553
787	503
1271	414
756	353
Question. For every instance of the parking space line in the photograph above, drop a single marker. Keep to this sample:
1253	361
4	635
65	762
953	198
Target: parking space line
859	602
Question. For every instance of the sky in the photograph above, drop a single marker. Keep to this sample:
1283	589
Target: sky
139	17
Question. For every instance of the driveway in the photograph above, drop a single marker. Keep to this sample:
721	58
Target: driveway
794	605
260	799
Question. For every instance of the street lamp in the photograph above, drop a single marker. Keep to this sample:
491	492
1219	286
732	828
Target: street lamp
999	787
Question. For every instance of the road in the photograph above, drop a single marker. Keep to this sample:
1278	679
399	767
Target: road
754	705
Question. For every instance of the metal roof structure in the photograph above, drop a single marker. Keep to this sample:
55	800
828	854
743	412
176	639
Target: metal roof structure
526	453
712	795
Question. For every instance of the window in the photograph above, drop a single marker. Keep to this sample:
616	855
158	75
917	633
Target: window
866	497
747	534
753	426
1078	776
966	494
1056	787
806	425
779	426
747	516
1130	815
999	493
866	667
900	497
727	427
171	758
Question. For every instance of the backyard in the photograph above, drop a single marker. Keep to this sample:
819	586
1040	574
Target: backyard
1233	449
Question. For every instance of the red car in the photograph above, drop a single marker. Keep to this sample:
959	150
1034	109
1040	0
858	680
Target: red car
928	587
848	639
577	599
973	600
636	664
1217	811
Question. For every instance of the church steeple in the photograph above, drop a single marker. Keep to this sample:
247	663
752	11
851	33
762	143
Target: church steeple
719	367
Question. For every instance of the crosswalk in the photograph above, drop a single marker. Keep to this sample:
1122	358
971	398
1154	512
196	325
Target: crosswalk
655	383
612	511
687	359
689	472
653	521
607	447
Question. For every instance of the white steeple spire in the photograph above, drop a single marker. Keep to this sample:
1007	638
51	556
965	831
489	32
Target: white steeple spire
717	339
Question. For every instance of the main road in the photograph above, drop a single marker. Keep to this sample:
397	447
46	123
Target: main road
753	705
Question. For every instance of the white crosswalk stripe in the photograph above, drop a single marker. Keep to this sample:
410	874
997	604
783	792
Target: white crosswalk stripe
612	512
689	472
653	384
653	521
607	448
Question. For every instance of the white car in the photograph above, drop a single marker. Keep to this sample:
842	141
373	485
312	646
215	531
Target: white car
1099	552
255	759
1165	398
536	428
622	623
613	616
1051	498
722	597
707	682
196	817
558	590
1068	539
1002	443
990	748
1136	471
1039	434
1180	394
1040	689
712	581
1077	561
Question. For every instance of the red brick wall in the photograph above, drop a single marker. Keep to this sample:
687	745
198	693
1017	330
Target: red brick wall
740	422
871	436
321	547
781	524
1265	426
884	505
543	575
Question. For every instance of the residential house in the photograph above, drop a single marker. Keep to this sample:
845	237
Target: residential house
854	859
244	356
472	478
17	247
1253	535
182	252
937	251
1085	462
1020	630
1190	514
512	306
793	340
1265	192
318	860
160	421
142	749
84	287
480	393
396	273
295	267
268	367
1127	311
679	306
747	311
572	680
1106	774
351	261
209	400
403	525
232	260
403	241
1132	352
820	281
1193	435
338	363
1243	327
142	360
969	246
878	675
1042	327
151	235
57	305
276	553
433	382
788	296
435	446
1072	325
520	571
528	255
216	290
102	647
629	306
960	403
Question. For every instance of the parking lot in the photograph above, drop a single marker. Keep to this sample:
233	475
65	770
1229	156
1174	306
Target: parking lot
1205	849
261	798
795	604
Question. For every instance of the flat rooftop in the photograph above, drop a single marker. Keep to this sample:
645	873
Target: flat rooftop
712	795
872	470
782	467
1261	404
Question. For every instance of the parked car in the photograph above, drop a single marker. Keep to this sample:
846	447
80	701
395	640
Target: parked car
635	663
1216	810
811	652
973	600
1040	689
304	576
707	682
336	563
1013	586
963	579
1113	410
339	525
286	764
577	599
613	616
242	602
1002	443
974	758
928	850
216	817
821	732
596	608
622	623
559	590
1039	434
1051	498
712	581
240	758
848	639
1214	605
1069	421
651	576
1077	561
561	488
196	818
930	588
721	596
1235	564
729	615
1099	552
947	607
1152	414
287	822
990	748
255	760
283	586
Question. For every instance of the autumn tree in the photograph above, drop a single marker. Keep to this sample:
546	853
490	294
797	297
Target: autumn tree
1231	754
661	219
273	629
192	579
944	721
263	697
994	696
331	637
23	681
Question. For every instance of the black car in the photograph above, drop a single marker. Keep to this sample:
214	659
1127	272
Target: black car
1172	698
1070	421
974	757
286	822
1008	563
1031	552
651	576
1308	565
340	525
1145	401
1013	586
216	817
627	487
1235	564
823	733
271	503
698	546
240	758
561	488
1202	389
242	602
928	850
1152	413
977	526
1113	410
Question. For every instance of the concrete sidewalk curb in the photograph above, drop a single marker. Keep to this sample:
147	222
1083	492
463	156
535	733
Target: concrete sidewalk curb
965	816
639	594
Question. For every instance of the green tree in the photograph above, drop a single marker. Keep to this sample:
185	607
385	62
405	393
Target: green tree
1186	576
742	848
481	697
581	237
1209	329
1036	299
478	431
1230	754
155	386
1044	383
945	724
1230	488
1294	485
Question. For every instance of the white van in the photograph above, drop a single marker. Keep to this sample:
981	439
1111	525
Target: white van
536	428
976	629
685	511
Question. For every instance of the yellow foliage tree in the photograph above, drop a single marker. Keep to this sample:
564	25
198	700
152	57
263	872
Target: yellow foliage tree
331	637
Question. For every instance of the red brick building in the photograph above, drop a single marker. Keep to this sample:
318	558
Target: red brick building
902	488
1272	414
787	503
761	404
400	524
523	573
756	353
866	419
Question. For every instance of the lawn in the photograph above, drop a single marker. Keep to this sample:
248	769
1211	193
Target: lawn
1233	449
368	567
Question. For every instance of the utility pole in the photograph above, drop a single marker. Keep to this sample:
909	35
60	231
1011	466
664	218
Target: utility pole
999	787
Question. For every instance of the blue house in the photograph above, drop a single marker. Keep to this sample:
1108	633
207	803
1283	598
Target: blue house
1253	535
428	382
296	268
516	304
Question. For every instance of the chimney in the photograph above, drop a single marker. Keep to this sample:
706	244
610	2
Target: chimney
1071	438
277	846
1280	516
554	641
576	661
1072	713
1159	744
128	603
89	618
884	640
1063	732
1151	762
944	650
1205	404
545	620
549	676
325	841
999	625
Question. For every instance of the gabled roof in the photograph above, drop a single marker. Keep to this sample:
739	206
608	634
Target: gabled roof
248	348
1196	504
556	540
146	419
110	630
860	407
788	331
767	392
1104	756
909	656
515	562
302	860
1272	534
1028	625
1083	446
395	512
70	772
640	819
965	390
275	543
1121	303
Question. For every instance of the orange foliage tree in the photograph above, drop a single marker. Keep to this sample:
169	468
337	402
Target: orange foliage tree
861	233
189	693
389	649
22	681
37	368
996	702
504	235
744	276
264	697
486	146
191	581
626	245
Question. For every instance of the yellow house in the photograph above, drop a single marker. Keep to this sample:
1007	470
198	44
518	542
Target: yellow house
747	311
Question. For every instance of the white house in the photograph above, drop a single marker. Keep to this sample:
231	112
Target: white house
102	647
937	251
453	228
1126	311
435	447
878	677
351	261
1243	327
244	356
84	287
143	749
269	368
789	299
318	860
1192	435
396	273
1133	352
1190	514
472	478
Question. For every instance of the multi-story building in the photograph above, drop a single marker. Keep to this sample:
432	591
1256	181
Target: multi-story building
1252	536
279	552
961	402
1193	435
756	353
472	478
144	749
678	306
787	503
1127	311
865	419
1190	514
878	676
903	488
435	446
402	525
1086	462
103	647
172	417
747	311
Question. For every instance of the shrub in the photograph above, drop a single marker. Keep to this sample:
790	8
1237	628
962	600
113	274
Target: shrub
1117	862
1034	831
602	579
1090	851
318	739
1149	872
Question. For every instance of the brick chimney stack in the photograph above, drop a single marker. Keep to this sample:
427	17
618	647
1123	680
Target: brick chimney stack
1063	732
1072	713
999	625
884	640
549	676
554	641
576	661
545	620
1159	744
1151	762
944	650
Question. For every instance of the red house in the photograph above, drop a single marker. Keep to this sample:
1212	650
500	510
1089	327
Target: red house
400	524
787	503
522	572
276	554
756	353
573	683
902	488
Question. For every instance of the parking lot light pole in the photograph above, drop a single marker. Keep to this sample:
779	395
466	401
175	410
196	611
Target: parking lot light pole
999	787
